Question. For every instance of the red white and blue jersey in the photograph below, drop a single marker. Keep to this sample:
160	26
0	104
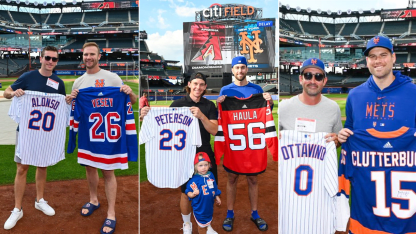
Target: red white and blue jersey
380	170
245	126
171	135
42	119
203	203
107	132
308	183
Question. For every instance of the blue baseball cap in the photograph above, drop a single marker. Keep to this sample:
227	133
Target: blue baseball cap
378	41
313	62
239	60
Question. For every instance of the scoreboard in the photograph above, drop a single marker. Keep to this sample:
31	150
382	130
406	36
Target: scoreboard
109	5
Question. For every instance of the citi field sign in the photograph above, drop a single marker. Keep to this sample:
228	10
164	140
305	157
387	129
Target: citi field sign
217	10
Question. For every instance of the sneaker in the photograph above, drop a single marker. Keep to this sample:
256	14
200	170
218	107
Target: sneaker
211	231
14	217
43	206
187	228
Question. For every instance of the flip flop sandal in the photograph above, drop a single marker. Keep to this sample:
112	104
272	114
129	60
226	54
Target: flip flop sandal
90	207
108	223
260	222
227	225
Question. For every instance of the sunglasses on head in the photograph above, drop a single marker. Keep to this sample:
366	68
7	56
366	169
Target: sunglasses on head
309	75
54	59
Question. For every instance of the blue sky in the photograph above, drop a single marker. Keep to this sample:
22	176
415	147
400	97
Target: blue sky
162	20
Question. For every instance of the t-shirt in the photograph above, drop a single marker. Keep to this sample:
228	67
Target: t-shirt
233	90
143	102
42	119
171	135
107	131
380	167
308	183
102	78
326	113
34	81
203	203
244	128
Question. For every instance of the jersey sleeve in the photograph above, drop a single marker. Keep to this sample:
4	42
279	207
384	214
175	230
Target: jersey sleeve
331	172
15	107
146	133
131	133
217	191
20	83
73	129
271	136
342	200
190	186
219	141
348	112
196	132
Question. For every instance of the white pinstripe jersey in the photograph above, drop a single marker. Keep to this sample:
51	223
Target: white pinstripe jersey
42	120
171	135
308	183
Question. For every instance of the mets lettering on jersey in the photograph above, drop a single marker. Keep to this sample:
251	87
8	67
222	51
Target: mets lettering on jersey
381	169
107	132
42	120
308	183
171	136
244	128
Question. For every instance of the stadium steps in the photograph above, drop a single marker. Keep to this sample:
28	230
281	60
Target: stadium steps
33	18
60	17
106	16
340	31
326	30
356	28
10	15
129	16
47	18
301	28
382	27
83	16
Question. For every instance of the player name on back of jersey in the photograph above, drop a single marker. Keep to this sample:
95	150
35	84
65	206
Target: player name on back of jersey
102	102
244	115
44	101
174	118
303	150
381	159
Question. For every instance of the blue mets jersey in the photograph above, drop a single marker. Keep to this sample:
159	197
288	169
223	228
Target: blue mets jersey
203	203
380	167
107	132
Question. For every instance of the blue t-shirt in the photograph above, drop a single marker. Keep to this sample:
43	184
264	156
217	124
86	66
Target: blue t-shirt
385	110
246	91
34	81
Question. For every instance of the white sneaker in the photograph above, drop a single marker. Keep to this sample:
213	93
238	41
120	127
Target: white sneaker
211	231
14	217
187	228
43	206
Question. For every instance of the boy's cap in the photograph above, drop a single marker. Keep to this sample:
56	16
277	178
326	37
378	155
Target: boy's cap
205	157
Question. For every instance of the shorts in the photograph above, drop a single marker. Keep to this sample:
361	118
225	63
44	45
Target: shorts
213	168
239	173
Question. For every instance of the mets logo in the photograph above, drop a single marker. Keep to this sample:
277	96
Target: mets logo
99	83
376	40
108	222
314	61
253	45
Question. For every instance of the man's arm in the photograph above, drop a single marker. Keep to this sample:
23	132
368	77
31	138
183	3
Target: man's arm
9	93
210	125
127	90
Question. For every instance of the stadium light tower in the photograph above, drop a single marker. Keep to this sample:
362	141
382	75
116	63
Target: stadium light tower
410	5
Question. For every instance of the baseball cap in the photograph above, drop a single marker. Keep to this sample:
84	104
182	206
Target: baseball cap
313	62
204	158
198	75
378	41
239	60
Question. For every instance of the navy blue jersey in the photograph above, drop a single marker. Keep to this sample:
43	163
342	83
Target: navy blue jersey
381	169
105	120
203	203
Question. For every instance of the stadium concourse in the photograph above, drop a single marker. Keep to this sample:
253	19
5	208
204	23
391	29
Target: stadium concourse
339	39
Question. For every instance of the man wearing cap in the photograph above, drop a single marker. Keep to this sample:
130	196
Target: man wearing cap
207	115
241	88
389	95
311	105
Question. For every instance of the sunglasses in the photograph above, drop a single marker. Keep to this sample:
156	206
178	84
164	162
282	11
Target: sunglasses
54	59
309	75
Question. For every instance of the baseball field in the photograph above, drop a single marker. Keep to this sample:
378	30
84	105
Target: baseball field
67	190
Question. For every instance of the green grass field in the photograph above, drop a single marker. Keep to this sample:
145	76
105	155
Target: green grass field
142	152
67	169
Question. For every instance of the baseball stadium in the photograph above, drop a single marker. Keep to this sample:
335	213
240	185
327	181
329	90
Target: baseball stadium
210	42
26	27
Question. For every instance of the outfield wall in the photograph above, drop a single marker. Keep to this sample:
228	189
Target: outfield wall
81	72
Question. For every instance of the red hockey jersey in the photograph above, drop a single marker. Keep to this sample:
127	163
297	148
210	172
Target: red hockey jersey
245	126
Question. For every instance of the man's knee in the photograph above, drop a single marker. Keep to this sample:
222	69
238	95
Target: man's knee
232	178
108	174
252	180
22	170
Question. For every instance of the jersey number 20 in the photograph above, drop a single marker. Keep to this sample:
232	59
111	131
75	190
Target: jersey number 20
47	123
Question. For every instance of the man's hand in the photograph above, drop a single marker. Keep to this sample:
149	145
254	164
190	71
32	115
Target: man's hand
344	134
268	97
144	111
73	95
221	98
126	89
18	93
196	112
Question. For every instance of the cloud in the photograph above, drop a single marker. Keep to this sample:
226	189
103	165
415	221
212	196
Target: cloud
186	10
169	45
161	20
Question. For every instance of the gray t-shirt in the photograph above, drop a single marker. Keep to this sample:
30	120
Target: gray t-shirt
103	78
326	113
